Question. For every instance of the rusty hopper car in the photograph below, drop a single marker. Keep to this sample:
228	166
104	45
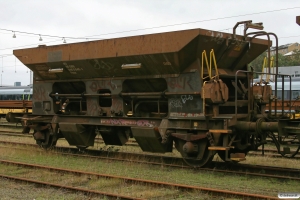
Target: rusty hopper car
192	88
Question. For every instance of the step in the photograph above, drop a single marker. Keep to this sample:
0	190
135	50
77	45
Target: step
218	148
219	131
238	159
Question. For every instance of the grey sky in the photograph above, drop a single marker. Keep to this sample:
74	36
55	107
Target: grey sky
115	18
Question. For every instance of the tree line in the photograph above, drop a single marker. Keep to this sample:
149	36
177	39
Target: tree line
283	61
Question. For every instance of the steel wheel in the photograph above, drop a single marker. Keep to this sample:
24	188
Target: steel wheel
43	137
51	143
200	158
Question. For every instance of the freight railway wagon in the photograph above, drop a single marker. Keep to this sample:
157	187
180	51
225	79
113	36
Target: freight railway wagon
189	88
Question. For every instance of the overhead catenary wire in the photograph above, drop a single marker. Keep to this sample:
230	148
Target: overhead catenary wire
289	36
199	21
29	45
141	29
63	38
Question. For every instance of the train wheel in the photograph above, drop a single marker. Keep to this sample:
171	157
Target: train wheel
51	143
43	137
195	154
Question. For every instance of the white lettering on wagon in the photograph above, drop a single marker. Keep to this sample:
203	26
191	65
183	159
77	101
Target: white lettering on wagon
181	114
72	69
185	98
127	122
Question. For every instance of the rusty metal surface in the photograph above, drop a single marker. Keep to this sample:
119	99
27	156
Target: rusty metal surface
15	104
295	105
136	181
66	187
162	53
152	85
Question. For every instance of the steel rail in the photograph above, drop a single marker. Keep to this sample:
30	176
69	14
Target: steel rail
235	168
136	180
254	153
117	196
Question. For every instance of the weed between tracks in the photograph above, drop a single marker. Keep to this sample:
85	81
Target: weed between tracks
10	190
250	159
93	183
266	186
271	161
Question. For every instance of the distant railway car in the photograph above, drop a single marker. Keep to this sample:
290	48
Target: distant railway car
15	101
16	93
189	87
287	90
290	87
288	95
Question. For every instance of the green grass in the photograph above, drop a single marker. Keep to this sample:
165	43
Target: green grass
265	186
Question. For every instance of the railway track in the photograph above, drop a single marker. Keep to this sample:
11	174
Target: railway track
270	153
177	162
75	189
182	187
267	152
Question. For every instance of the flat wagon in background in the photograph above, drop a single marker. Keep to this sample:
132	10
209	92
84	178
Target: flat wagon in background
15	101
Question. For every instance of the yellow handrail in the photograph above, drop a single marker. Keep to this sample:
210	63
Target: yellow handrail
212	61
271	68
262	70
263	67
212	58
208	67
203	97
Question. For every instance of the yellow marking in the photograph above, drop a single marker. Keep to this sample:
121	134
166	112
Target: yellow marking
238	159
218	148
220	131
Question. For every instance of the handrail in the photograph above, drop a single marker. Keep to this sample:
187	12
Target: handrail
290	89
203	97
208	67
262	70
271	69
212	55
212	60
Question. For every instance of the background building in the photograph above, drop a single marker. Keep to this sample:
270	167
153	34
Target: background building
294	71
286	49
